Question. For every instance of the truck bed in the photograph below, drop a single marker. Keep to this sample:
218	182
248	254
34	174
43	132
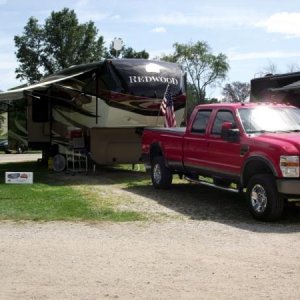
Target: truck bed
173	142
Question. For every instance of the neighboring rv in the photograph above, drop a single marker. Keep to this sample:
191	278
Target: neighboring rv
100	107
280	88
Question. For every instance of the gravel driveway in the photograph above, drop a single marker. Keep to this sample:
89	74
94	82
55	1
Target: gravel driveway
200	244
171	260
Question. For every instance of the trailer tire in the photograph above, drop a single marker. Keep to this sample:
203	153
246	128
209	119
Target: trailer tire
59	163
161	175
264	201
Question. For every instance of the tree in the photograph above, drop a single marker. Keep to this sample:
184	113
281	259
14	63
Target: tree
128	52
60	43
236	91
202	67
271	68
293	67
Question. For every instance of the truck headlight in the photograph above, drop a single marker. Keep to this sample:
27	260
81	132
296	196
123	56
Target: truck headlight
289	166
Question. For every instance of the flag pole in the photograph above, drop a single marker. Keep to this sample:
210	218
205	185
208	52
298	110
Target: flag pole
161	102
159	110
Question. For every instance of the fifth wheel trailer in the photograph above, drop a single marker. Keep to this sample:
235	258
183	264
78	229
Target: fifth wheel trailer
100	107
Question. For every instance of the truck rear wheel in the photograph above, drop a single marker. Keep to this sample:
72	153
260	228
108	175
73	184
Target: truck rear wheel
161	176
264	201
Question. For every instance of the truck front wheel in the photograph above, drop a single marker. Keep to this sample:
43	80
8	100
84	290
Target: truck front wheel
161	176
264	201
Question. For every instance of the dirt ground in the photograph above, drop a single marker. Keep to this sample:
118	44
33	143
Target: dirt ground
199	244
19	157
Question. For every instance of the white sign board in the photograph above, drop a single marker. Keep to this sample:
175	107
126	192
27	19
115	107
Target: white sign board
117	44
19	177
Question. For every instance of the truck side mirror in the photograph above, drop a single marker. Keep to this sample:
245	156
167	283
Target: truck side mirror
229	133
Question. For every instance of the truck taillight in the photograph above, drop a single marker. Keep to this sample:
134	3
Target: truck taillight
289	166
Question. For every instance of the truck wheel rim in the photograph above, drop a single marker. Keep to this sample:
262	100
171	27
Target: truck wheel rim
259	198
157	173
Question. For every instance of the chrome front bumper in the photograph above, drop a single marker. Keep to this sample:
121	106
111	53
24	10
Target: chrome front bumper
288	186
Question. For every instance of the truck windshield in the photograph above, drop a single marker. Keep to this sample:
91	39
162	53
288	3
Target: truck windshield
270	119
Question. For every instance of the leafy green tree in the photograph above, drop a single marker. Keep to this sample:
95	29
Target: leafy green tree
60	43
131	53
203	68
193	100
236	91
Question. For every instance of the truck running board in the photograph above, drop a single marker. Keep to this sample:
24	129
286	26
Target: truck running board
229	189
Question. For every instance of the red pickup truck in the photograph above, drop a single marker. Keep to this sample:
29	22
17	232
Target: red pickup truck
249	148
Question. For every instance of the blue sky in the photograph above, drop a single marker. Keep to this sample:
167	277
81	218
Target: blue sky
253	34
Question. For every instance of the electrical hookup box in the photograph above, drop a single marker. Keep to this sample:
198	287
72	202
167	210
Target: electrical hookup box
19	177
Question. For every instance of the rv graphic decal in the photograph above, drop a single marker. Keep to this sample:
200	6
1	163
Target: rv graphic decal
145	106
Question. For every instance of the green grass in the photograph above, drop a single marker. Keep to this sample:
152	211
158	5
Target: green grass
48	199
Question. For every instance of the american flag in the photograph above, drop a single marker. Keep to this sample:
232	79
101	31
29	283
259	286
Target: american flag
167	108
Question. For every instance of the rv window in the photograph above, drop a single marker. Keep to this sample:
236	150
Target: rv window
40	110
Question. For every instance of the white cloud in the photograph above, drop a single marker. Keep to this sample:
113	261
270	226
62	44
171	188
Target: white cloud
115	17
85	13
159	30
81	3
284	23
261	55
176	18
207	19
86	16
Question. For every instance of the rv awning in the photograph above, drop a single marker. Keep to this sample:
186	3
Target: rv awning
290	87
18	93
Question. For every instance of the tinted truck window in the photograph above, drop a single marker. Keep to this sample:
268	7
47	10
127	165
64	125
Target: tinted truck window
222	116
201	120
